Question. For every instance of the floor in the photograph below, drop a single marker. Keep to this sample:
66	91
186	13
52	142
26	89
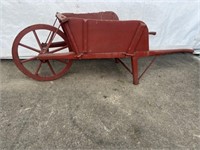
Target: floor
96	106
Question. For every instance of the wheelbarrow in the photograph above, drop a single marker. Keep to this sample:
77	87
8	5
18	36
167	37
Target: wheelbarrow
44	52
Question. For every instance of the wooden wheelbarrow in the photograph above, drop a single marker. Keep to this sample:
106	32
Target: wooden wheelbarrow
100	35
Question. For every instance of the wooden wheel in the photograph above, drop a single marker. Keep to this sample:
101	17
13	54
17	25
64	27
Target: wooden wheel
37	39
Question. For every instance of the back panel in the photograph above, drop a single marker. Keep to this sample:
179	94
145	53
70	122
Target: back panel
107	15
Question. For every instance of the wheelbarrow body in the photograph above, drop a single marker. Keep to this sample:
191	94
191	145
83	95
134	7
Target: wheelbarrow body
90	36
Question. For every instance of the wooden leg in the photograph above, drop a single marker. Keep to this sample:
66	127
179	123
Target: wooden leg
134	63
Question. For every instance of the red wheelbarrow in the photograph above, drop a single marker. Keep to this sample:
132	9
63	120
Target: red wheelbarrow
45	53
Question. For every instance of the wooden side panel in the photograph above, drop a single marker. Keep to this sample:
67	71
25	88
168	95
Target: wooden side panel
107	36
110	36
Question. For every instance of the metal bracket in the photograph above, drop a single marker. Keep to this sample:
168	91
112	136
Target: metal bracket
62	18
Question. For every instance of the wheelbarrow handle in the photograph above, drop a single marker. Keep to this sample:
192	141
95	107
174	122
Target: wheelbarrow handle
152	33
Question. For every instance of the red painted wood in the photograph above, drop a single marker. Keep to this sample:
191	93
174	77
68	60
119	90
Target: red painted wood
91	36
107	15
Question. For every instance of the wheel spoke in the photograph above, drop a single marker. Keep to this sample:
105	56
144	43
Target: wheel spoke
38	68
37	39
59	49
30	59
28	47
51	68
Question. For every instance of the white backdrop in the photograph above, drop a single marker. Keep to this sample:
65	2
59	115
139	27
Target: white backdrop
177	22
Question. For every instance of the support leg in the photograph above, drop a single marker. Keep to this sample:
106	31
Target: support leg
134	63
